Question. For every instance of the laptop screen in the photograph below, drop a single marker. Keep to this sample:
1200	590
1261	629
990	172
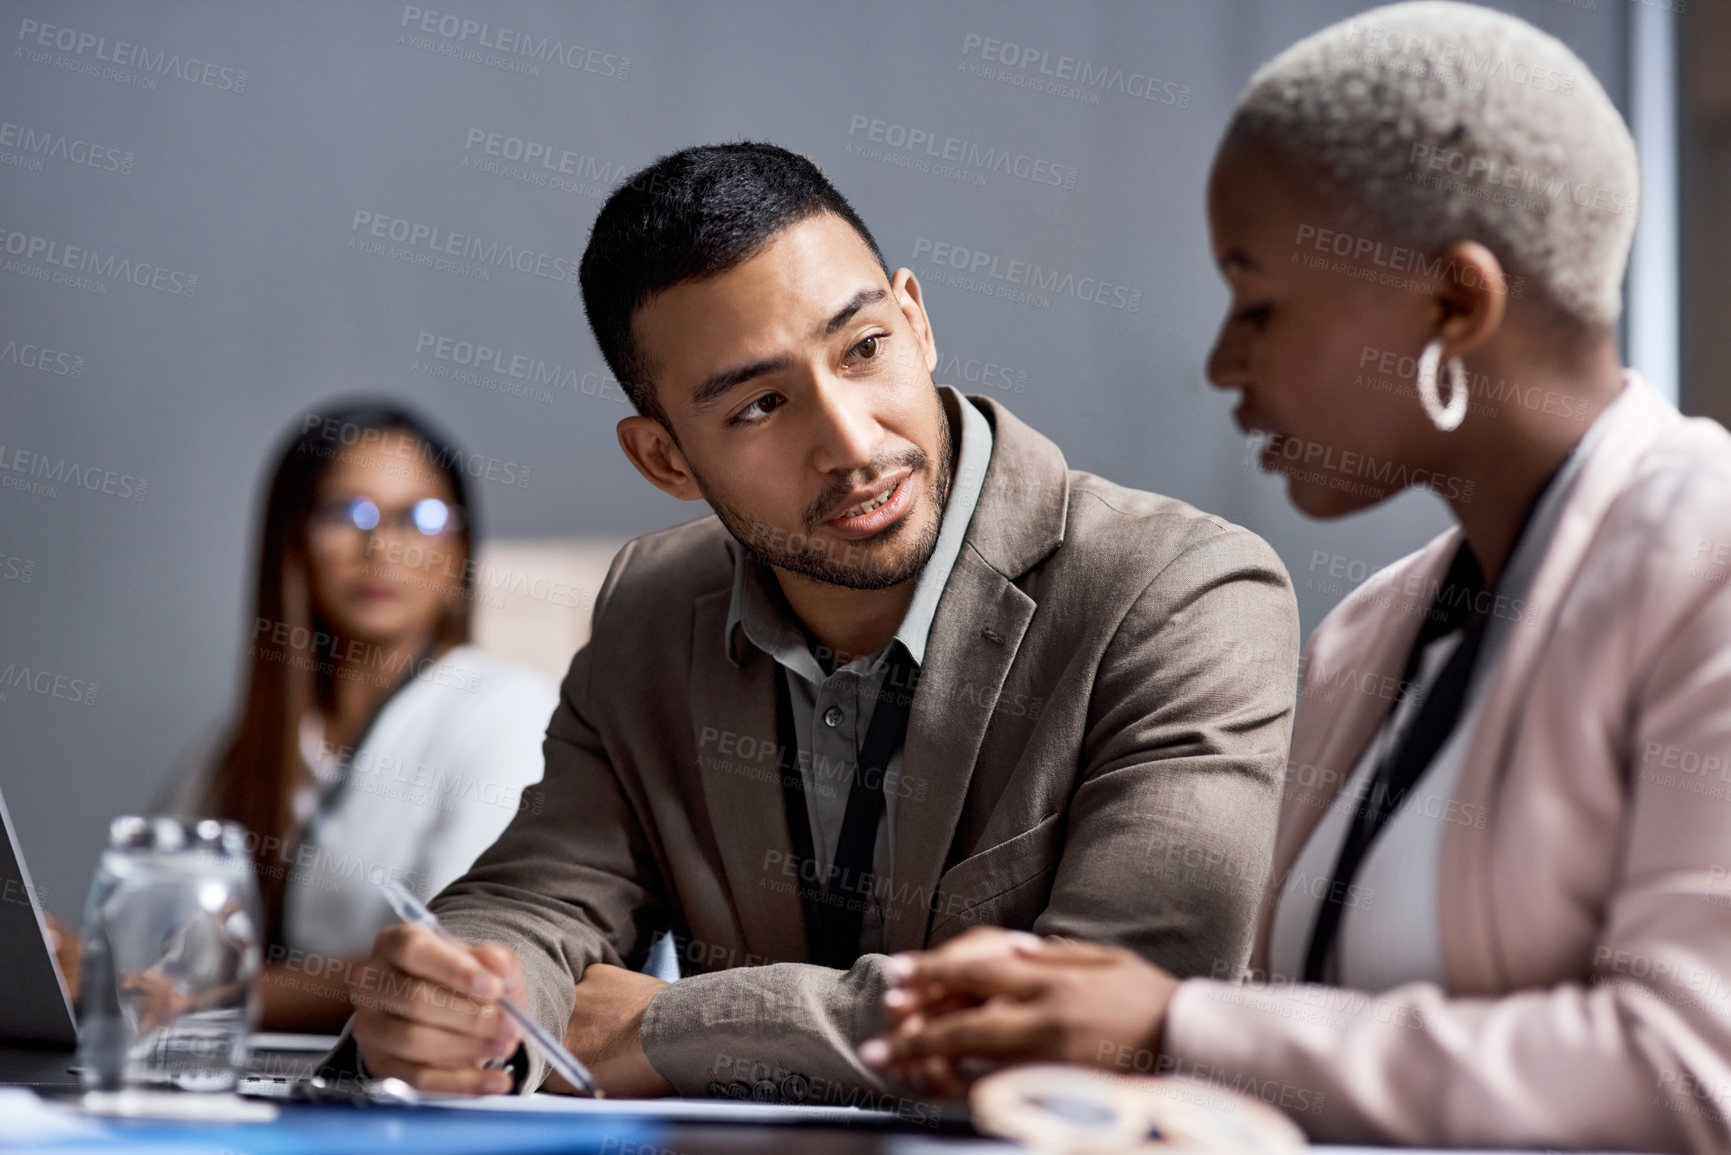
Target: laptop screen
33	1003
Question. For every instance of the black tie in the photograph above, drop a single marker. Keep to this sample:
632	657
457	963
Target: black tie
834	903
1456	605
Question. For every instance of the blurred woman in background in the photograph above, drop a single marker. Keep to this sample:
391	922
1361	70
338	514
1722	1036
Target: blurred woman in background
1497	914
374	744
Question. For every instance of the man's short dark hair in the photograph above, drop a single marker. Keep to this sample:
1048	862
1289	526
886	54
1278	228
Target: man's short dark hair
692	214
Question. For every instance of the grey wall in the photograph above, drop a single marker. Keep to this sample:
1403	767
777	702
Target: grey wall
236	143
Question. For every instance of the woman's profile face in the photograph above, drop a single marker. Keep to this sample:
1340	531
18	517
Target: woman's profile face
377	575
1320	347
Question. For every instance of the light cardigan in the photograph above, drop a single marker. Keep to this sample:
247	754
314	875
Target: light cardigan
1586	920
436	778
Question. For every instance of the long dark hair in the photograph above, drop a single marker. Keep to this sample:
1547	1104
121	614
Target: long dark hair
290	661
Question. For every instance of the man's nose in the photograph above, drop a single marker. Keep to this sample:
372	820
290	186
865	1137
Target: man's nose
847	430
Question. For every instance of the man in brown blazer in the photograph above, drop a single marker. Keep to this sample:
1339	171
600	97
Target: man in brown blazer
915	675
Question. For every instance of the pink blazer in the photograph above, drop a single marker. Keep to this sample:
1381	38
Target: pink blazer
1585	873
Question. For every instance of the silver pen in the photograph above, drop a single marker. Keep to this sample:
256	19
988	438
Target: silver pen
413	910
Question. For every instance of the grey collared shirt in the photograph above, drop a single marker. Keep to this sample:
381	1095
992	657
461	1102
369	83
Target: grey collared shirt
831	711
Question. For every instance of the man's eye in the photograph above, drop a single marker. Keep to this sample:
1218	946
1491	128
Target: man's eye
758	409
869	348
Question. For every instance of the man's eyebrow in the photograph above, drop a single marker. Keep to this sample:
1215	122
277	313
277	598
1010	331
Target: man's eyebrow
845	314
718	384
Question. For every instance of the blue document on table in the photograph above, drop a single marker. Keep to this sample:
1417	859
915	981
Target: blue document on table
339	1130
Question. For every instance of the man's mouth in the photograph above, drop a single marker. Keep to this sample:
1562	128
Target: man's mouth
865	500
874	509
870	503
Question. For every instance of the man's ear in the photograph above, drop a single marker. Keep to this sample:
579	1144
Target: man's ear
1472	297
651	448
906	288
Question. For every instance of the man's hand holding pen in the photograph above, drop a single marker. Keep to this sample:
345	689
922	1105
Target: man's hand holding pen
427	1011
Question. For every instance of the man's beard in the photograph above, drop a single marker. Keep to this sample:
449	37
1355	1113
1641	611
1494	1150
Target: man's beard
802	554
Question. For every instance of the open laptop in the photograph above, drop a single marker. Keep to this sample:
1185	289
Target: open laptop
34	1007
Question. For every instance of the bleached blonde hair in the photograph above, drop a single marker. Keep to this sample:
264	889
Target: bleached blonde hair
1439	122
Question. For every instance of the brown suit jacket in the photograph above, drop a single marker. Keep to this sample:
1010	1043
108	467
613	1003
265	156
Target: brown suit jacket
1095	749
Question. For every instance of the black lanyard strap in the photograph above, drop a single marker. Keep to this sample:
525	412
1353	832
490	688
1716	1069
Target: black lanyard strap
834	901
1454	605
1457	606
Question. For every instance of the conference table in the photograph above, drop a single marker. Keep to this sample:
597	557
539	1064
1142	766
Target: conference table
382	1130
563	1129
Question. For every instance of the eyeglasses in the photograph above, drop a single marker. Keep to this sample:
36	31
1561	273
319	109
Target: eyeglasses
428	517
